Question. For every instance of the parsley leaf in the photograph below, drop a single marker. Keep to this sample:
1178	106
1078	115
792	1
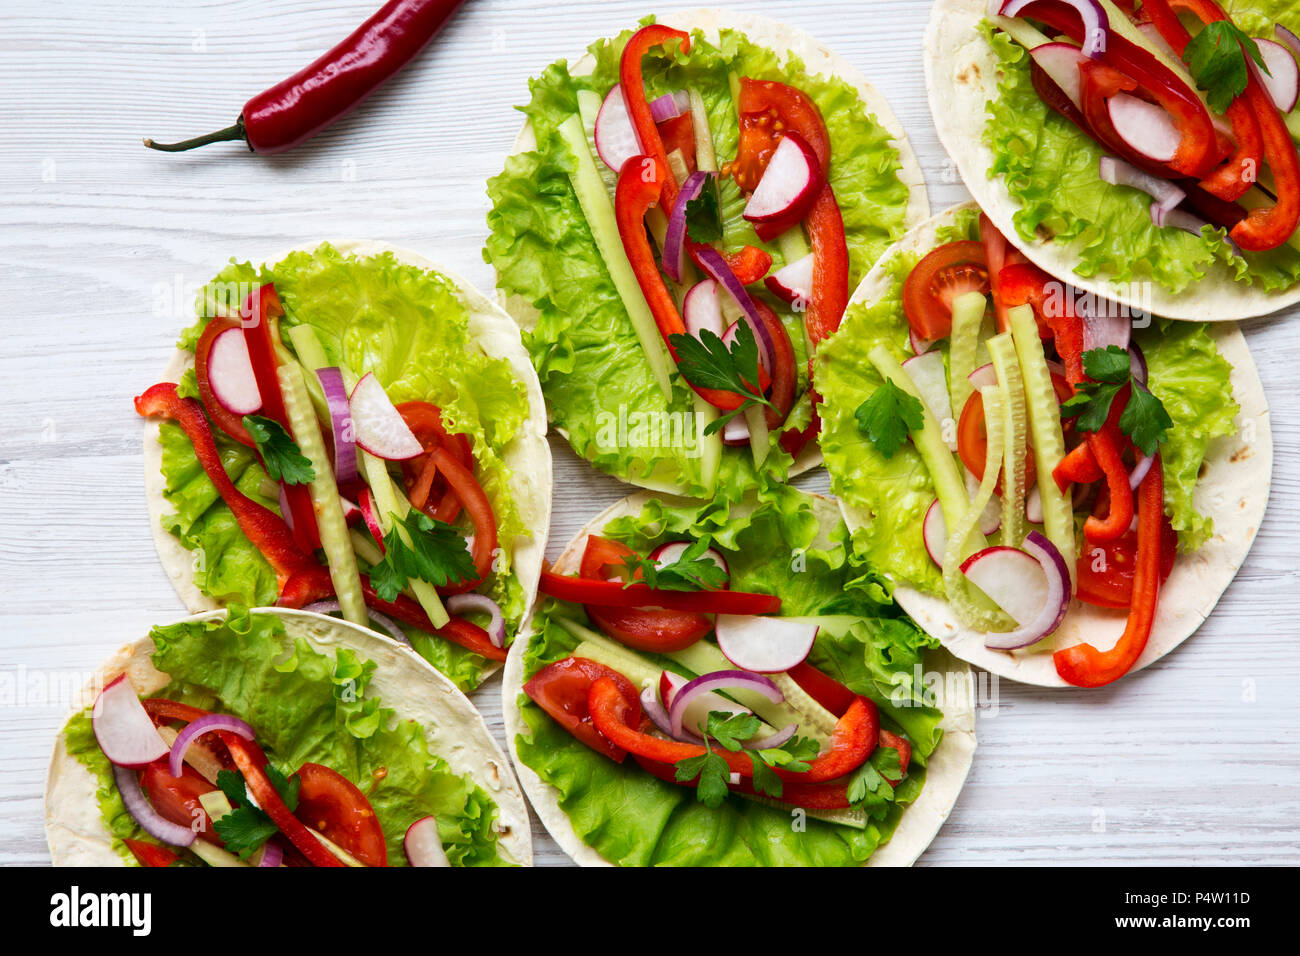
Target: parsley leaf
1143	419
1217	58
691	571
245	828
283	458
707	362
714	776
765	779
730	729
704	215
887	416
437	554
793	755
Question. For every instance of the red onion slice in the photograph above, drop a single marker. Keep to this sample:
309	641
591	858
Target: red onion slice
774	740
712	262
460	603
345	445
670	106
383	620
285	511
197	728
1137	362
1105	328
718	680
675	238
1096	24
658	715
143	813
1165	195
272	854
1140	470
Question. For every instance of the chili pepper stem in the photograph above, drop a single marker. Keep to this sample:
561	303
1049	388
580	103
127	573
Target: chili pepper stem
220	136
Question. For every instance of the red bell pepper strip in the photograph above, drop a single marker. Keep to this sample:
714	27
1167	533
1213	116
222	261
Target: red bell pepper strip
561	689
150	854
1105	445
163	709
822	688
315	584
260	313
748	265
228	422
639	184
250	760
425	421
633	86
855	737
260	525
1082	664
466	487
785	377
1199	149
616	594
995	256
646	629
1078	467
766	109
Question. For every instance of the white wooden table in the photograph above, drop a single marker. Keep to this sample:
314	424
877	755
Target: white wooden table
1195	760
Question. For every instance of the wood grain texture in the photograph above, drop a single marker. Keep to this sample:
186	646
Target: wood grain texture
1195	760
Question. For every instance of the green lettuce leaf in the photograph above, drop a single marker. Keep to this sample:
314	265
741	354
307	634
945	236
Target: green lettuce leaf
307	706
776	544
409	327
598	385
1050	168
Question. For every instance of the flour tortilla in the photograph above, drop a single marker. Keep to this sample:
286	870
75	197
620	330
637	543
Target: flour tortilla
1233	491
402	679
945	773
961	77
528	456
818	60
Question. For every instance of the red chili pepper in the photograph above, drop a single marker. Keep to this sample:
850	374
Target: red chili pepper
1082	664
617	594
268	532
250	760
633	86
640	182
150	854
298	108
260	315
314	584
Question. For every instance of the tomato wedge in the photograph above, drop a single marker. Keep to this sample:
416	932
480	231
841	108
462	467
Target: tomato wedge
331	804
653	629
177	798
937	280
1106	579
150	854
561	690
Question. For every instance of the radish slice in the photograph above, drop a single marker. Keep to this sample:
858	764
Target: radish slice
764	645
143	813
792	282
1033	586
461	603
672	552
197	728
1061	62
1283	78
230	372
345	444
656	710
919	345
122	727
991	519
686	695
935	533
351	513
928	374
702	309
1034	505
422	844
736	432
789	184
1096	24
616	140
371	517
674	255
1146	127
379	427
983	377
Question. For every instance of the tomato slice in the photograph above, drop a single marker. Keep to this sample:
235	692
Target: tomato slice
1106	579
678	133
904	748
228	422
651	630
177	798
561	690
150	854
1023	283
973	438
331	804
937	280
